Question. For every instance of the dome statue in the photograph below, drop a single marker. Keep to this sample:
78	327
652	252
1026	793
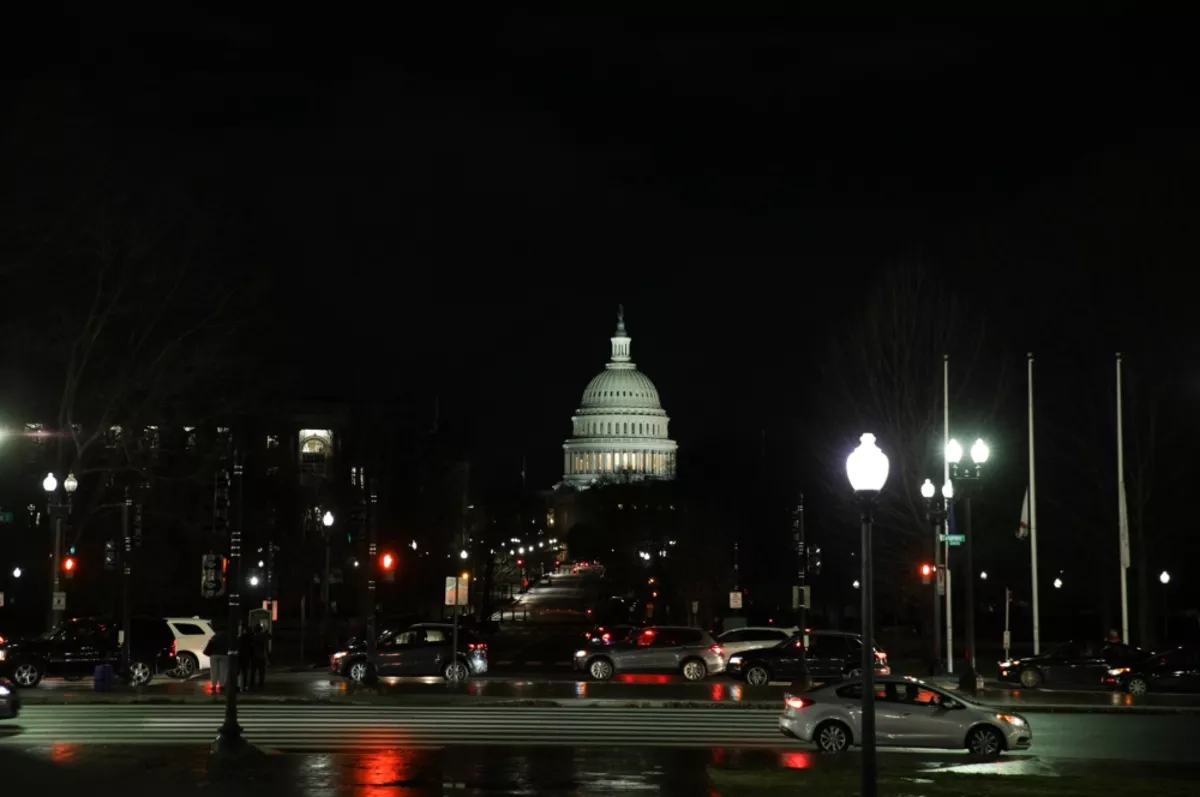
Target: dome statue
620	430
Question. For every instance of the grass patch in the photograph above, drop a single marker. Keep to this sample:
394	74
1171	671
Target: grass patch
845	783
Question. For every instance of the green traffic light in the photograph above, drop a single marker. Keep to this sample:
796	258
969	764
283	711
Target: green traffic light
72	551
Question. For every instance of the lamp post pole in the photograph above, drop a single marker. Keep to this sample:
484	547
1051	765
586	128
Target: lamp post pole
229	738
935	512
867	469
372	544
965	479
126	573
57	510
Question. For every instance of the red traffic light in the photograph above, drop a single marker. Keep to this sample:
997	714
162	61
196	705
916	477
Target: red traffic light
388	561
520	562
926	573
69	563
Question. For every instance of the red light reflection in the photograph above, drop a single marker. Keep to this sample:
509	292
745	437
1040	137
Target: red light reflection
643	678
378	774
61	753
717	691
795	760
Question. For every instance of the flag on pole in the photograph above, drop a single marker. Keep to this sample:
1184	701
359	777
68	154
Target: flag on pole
1023	529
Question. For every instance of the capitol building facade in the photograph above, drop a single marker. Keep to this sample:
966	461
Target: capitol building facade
620	431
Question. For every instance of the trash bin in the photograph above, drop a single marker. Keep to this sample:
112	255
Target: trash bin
218	671
102	678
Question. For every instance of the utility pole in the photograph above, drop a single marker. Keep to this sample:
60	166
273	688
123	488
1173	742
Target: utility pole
126	575
372	544
801	547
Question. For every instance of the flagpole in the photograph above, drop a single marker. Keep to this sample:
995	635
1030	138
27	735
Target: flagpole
946	480
1122	511
1037	639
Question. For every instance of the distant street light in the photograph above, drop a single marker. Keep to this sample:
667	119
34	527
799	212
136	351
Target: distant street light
1058	583
521	550
254	581
49	484
328	519
867	471
16	572
983	575
463	555
1164	577
856	584
70	484
413	545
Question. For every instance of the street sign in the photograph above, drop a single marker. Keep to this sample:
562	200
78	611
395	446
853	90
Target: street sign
6	517
735	600
60	602
456	591
953	539
1007	640
802	597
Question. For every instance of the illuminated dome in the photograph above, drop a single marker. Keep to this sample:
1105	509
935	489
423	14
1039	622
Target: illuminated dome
620	428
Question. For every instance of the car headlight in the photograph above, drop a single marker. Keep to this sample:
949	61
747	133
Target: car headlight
579	654
1012	719
341	654
3	653
1115	671
734	660
4	691
1008	665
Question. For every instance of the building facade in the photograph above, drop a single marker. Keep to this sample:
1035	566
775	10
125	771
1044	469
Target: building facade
620	431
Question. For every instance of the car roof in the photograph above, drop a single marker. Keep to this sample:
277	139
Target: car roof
188	620
785	628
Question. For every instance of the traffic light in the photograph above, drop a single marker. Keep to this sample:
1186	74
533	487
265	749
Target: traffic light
926	573
387	564
68	566
110	555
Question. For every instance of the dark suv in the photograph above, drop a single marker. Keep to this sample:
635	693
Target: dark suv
77	646
830	656
423	649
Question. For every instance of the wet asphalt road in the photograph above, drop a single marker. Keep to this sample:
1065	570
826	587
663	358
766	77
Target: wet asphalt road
321	728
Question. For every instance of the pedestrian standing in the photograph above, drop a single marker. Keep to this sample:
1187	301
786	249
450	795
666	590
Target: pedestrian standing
259	648
246	656
217	651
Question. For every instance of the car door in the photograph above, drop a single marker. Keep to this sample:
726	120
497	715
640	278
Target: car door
928	718
435	650
787	662
823	664
391	652
62	653
667	651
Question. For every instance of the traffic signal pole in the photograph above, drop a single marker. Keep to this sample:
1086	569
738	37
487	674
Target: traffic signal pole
126	573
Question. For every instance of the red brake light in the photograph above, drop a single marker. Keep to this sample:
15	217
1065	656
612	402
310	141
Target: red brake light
1	640
476	646
720	651
174	646
606	637
879	654
797	702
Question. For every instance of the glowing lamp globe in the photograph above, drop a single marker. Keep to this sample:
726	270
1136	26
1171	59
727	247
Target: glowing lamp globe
954	452
328	519
867	466
1164	577
49	484
70	484
927	490
947	491
979	452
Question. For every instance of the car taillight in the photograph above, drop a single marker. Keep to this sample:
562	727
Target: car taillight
174	646
879	654
1	640
797	702
720	651
477	646
606	638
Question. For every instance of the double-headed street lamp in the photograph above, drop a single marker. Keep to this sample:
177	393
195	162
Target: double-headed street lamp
58	512
935	513
965	479
867	470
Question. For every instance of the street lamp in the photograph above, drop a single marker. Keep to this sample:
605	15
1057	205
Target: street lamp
70	484
16	572
867	471
58	512
1058	583
857	584
463	555
935	513
983	575
50	484
328	519
1164	578
254	581
966	478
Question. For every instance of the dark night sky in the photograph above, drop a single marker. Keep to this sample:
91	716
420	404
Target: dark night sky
457	207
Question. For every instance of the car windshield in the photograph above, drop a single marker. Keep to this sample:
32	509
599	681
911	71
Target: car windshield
51	634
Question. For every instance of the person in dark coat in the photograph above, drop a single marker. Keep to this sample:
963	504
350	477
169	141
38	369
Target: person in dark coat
217	651
246	656
259	649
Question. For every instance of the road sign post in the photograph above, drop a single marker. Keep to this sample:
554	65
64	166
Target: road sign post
953	539
735	600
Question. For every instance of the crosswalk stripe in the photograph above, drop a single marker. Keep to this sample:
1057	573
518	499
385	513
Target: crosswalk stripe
342	728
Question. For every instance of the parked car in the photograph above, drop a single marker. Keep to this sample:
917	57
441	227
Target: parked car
1175	670
829	657
740	640
74	648
908	713
10	701
666	650
1077	663
423	649
191	635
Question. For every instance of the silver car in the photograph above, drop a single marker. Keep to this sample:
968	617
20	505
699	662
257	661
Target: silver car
908	713
664	650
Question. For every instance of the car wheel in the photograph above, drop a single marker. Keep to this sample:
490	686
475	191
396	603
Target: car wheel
140	673
985	740
695	670
600	669
186	665
1031	678
1138	686
455	672
758	676
832	737
27	675
357	672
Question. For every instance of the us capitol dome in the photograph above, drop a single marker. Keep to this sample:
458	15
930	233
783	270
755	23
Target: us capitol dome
620	428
